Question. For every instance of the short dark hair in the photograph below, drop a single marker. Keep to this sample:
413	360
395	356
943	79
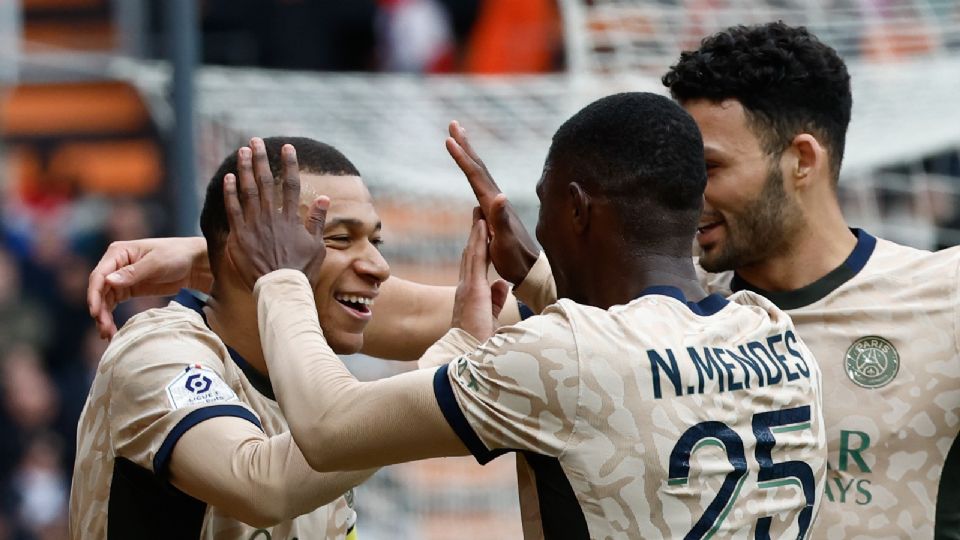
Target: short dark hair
787	80
313	156
644	154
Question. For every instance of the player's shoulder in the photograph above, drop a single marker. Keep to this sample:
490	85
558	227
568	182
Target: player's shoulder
554	324
905	262
750	305
172	334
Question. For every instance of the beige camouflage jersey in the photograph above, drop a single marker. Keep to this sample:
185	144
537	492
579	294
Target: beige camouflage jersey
884	328
656	419
163	373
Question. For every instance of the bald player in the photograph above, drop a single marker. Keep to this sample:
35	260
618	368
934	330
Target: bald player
642	407
181	435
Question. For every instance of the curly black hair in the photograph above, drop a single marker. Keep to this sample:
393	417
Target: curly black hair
313	157
787	80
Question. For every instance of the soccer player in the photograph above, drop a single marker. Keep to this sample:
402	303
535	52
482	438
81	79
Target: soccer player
642	406
181	435
773	104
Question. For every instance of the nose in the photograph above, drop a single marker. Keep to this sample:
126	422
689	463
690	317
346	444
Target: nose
372	266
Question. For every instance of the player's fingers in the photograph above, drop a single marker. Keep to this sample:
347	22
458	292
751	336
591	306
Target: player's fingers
478	251
266	184
232	202
104	317
246	183
463	260
480	183
499	291
95	284
317	216
291	180
460	134
105	325
128	276
465	162
466	257
499	216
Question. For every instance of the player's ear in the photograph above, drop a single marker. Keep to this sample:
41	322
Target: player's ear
579	206
806	160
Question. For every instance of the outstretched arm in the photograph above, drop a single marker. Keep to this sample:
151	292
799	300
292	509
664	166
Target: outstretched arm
465	405
257	479
148	267
410	316
338	422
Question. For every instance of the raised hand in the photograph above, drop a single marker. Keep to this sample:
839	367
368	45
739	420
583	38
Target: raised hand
148	267
512	249
267	235
478	302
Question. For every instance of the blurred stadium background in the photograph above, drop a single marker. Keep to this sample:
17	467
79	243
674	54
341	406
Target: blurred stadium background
102	138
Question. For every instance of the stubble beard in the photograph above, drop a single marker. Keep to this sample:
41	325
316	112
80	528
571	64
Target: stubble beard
763	229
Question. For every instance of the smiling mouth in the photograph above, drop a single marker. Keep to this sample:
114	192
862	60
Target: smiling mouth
360	304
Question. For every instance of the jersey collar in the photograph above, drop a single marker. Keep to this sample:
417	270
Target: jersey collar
191	300
820	288
705	307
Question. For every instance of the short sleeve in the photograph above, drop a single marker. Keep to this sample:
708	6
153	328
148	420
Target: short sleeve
164	383
518	391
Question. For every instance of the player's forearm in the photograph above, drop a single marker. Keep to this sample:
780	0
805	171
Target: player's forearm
456	342
201	276
311	382
409	317
230	464
338	422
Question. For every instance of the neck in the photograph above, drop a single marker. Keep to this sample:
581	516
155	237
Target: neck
634	273
816	249
234	319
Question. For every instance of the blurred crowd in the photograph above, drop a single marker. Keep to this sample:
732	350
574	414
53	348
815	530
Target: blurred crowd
421	36
49	348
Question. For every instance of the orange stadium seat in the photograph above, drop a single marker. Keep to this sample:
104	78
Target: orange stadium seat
95	137
115	167
68	24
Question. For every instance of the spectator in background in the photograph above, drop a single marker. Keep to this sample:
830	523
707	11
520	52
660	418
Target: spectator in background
33	476
421	36
323	35
515	37
22	319
49	350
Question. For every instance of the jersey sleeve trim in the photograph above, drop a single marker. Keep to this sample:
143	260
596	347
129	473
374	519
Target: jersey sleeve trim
443	390
525	311
161	461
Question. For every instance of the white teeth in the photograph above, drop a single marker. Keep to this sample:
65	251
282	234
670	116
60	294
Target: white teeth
354	299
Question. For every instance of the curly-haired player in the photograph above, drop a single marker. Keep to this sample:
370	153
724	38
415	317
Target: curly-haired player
773	103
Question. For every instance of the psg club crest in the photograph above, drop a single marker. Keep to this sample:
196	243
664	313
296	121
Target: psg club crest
872	362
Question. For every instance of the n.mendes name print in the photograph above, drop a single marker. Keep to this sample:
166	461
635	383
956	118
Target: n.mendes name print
697	370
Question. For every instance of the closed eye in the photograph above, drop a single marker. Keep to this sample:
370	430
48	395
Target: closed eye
339	239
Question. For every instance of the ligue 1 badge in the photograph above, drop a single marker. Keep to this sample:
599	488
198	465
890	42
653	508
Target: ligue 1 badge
872	362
